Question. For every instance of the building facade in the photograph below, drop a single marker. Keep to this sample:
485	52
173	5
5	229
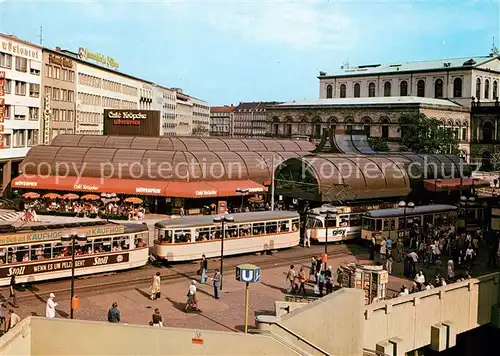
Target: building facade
58	95
221	120
485	135
250	119
459	80
183	114
20	74
201	117
378	117
164	100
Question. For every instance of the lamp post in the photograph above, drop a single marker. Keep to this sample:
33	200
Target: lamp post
243	192
73	238
222	219
327	213
466	201
404	205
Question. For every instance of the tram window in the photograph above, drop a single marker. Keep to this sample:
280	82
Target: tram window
120	243
245	230
355	220
140	240
344	220
258	229
378	224
202	234
438	219
40	252
295	224
231	231
389	224
331	221
314	222
58	250
427	220
368	224
271	227
3	252
182	236
215	232
284	225
165	236
19	254
102	245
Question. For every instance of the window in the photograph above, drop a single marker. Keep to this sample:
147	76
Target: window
18	138
329	91
71	76
438	88
343	90
371	90
385	128
21	64
486	89
71	115
464	134
5	60
20	88
357	90
64	96
478	88
367	130
8	110
8	86
32	137
55	94
495	90
457	87
34	90
7	140
57	73
387	89
19	117
34	71
421	88
48	71
403	88
34	113
64	74
487	132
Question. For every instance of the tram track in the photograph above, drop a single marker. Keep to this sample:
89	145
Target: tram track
174	274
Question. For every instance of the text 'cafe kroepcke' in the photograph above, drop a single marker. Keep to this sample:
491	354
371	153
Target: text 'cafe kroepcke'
126	118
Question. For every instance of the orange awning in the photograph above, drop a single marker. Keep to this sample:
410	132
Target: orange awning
440	185
137	186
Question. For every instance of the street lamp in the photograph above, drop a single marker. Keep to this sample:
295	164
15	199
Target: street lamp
243	192
73	238
327	213
404	205
466	201
222	219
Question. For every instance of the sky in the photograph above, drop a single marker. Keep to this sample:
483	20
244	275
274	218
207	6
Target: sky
226	52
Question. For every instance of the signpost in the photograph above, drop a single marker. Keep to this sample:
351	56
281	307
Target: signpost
249	274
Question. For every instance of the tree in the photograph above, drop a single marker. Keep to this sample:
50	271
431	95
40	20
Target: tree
378	144
421	134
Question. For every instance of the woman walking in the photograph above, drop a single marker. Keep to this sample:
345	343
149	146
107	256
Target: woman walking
155	286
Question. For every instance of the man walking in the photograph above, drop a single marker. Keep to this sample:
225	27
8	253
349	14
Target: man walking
13	285
290	279
203	269
216	281
14	319
114	313
307	238
50	308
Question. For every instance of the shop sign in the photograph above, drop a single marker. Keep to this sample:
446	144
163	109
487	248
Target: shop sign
148	190
60	61
255	190
20	50
38	236
200	193
25	184
61	265
384	278
85	54
46	119
2	106
86	187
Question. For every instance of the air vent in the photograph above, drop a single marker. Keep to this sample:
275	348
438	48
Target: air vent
395	65
470	62
369	66
447	65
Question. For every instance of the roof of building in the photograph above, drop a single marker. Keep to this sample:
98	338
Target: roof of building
222	109
255	105
420	209
388	100
15	38
429	65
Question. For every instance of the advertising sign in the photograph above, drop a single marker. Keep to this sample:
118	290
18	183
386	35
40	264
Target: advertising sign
99	58
60	265
144	123
2	106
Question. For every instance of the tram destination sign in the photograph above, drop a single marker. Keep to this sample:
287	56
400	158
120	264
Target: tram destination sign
54	266
49	235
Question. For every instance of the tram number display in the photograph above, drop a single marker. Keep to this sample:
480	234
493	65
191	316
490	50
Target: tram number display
54	266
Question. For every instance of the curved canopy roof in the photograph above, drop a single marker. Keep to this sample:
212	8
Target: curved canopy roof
191	144
144	164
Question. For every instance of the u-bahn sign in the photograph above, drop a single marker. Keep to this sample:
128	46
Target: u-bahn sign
248	273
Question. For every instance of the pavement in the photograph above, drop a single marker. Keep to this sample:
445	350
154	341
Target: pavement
226	313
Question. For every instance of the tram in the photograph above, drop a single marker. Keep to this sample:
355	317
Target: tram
186	239
344	222
37	252
385	223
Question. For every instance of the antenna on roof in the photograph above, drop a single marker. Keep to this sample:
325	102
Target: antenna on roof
345	65
494	49
40	35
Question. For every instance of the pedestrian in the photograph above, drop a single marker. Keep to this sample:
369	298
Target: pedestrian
451	270
156	286
3	321
388	246
290	279
157	320
307	238
192	299
420	280
412	263
372	249
383	249
302	281
203	269
50	307
114	313
13	286
329	280
14	319
388	264
312	270
216	281
320	277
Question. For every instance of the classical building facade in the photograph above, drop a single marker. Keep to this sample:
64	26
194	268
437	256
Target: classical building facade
58	95
456	79
485	135
221	120
164	100
250	119
20	80
378	117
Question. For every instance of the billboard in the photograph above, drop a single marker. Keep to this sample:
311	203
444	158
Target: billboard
132	123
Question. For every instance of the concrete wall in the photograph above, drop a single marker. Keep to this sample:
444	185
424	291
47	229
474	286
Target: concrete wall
60	337
467	304
17	342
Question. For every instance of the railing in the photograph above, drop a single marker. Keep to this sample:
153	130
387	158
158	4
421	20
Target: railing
284	341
